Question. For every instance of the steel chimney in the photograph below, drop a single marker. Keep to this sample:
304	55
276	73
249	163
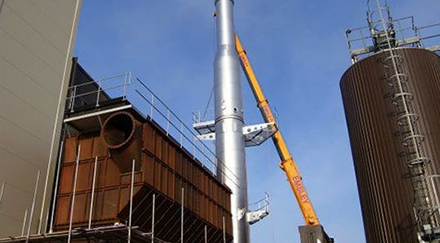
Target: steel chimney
230	143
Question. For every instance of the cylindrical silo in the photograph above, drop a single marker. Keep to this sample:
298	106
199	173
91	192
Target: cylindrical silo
386	187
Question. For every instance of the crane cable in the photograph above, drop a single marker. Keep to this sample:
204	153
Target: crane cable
205	113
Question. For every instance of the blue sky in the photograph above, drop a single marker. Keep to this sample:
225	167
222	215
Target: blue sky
297	49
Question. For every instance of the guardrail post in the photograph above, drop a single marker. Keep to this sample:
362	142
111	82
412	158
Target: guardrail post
203	154
126	82
194	147
181	135
152	106
168	121
98	93
72	103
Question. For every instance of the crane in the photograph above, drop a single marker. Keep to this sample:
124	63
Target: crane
287	163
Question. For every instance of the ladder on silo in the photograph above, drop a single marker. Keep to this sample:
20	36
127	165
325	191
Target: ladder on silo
425	193
412	140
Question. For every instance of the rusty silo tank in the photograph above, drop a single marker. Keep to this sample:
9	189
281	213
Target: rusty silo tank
384	183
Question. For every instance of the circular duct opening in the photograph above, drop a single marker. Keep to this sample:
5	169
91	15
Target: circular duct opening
118	130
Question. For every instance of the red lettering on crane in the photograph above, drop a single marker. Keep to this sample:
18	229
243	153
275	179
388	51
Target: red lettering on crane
244	60
268	113
300	189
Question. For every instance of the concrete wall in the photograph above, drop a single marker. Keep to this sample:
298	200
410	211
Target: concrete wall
36	41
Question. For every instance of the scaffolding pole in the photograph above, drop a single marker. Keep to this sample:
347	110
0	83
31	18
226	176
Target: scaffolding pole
24	222
206	234
31	215
92	196
1	192
56	187
130	216
69	237
182	215
152	218
224	230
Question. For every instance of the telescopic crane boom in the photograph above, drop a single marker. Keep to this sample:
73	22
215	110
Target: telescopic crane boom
287	163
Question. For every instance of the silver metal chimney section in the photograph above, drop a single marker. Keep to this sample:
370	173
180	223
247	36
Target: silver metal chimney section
230	142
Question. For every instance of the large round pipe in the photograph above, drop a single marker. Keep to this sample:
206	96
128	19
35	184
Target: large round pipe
118	130
230	148
122	134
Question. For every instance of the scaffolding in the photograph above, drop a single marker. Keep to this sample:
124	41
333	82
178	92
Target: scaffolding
103	97
119	232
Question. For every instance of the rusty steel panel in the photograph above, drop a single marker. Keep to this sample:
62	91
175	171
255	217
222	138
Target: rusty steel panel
162	168
385	188
70	150
111	193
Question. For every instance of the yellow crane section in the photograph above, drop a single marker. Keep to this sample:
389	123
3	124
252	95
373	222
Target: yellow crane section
287	163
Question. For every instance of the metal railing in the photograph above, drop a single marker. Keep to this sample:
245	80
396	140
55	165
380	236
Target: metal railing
202	116
154	108
262	204
145	101
360	40
97	91
407	34
430	37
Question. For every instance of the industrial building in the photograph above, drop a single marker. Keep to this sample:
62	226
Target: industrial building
118	166
106	160
85	186
391	97
123	168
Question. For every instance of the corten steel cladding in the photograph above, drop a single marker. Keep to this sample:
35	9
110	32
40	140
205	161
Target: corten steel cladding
385	187
229	142
163	169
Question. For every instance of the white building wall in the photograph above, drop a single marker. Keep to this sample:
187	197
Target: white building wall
36	42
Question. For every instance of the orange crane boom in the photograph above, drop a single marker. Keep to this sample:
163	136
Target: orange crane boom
287	163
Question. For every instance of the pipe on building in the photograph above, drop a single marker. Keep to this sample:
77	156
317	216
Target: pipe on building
122	134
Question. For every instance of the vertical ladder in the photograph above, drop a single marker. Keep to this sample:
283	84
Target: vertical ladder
425	197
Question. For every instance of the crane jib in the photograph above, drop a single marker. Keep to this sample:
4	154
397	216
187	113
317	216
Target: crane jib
287	164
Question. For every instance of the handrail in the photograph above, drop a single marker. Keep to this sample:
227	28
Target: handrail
202	148
120	86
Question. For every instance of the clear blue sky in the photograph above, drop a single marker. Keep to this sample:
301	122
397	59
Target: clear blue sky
299	53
